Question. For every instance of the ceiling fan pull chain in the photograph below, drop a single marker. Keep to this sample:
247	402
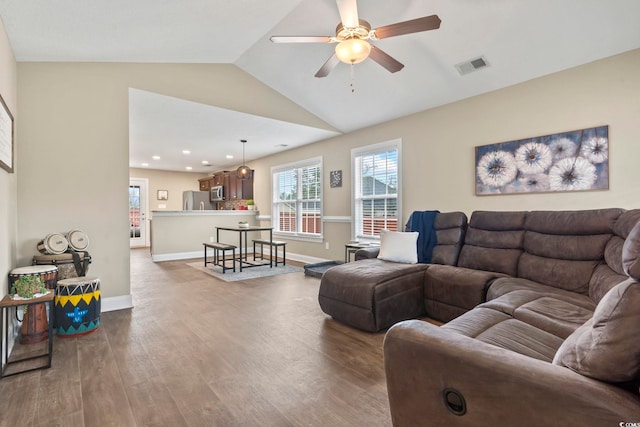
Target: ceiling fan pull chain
353	89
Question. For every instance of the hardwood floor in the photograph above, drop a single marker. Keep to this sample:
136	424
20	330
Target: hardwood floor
197	351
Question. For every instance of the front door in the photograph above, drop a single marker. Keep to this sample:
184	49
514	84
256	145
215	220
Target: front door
138	206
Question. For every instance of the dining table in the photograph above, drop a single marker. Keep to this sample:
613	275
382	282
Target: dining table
243	237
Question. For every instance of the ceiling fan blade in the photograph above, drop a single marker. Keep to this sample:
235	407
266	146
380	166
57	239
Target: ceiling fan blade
407	27
300	39
348	13
385	60
328	66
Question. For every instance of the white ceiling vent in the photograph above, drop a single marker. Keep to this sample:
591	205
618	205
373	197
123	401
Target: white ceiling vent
472	65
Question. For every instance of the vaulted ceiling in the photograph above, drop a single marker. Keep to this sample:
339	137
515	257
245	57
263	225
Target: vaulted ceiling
521	40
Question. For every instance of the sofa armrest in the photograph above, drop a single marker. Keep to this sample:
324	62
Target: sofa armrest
366	253
500	387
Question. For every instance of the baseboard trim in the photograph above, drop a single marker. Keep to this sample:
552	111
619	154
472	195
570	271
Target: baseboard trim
177	256
305	258
120	302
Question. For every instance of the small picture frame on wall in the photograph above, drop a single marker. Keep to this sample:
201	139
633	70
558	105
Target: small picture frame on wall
335	179
163	194
6	137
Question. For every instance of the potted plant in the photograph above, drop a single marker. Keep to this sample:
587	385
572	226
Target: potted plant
27	287
250	205
243	224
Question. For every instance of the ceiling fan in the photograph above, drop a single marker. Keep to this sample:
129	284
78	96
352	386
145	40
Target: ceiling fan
353	35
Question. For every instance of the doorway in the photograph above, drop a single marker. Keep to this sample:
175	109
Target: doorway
138	208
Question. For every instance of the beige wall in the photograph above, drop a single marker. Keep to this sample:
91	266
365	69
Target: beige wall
8	181
174	182
74	146
438	146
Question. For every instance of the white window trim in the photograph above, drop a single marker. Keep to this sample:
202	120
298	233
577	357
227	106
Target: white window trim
373	148
296	165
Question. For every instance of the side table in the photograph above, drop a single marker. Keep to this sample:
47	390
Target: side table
352	248
5	304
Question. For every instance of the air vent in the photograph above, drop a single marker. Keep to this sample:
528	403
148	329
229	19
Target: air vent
472	65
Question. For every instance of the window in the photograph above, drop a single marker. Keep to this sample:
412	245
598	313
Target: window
376	188
297	198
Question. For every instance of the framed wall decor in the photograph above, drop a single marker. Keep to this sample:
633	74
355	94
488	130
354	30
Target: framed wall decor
6	137
163	194
335	179
569	161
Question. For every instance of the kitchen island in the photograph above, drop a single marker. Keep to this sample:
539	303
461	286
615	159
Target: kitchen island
180	234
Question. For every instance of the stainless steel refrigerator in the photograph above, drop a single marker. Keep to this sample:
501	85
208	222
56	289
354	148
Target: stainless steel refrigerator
196	201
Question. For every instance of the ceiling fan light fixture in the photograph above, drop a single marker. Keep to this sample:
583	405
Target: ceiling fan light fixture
353	51
244	171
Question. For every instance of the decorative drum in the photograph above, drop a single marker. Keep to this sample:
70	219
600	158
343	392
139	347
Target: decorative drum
35	327
77	302
78	240
54	243
65	263
48	274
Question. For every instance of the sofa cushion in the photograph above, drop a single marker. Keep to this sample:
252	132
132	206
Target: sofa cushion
562	248
500	330
611	272
493	242
398	246
556	314
450	228
450	291
565	274
631	253
372	294
607	347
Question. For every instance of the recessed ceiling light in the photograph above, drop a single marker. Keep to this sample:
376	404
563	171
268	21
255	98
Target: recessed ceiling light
229	156
155	157
205	162
186	152
145	165
188	168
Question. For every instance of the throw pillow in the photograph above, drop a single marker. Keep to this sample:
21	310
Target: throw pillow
398	246
631	253
607	347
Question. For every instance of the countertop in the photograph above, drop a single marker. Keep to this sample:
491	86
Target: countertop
204	213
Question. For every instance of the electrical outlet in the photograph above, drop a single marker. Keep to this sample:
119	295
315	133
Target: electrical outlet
326	245
211	240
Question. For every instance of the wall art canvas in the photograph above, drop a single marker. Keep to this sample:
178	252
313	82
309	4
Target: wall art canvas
568	161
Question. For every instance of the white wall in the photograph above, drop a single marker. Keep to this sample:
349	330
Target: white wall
8	181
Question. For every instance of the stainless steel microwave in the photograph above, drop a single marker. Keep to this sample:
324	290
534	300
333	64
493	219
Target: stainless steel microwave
217	193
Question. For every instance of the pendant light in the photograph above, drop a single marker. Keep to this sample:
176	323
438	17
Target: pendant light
243	171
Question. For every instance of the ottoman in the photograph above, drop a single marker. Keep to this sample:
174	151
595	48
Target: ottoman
372	294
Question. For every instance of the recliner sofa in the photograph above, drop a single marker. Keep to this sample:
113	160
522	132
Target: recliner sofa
532	298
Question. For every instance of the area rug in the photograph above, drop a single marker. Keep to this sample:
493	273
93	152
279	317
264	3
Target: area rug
247	273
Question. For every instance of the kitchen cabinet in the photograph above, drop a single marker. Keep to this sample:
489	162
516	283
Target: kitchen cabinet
217	179
234	187
205	183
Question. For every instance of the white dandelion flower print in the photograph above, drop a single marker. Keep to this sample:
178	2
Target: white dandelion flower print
596	150
497	168
572	174
561	148
533	158
533	183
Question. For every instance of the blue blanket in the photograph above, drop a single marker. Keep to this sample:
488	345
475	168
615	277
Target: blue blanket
423	223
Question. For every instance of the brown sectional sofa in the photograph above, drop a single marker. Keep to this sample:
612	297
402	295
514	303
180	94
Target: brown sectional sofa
372	294
543	312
